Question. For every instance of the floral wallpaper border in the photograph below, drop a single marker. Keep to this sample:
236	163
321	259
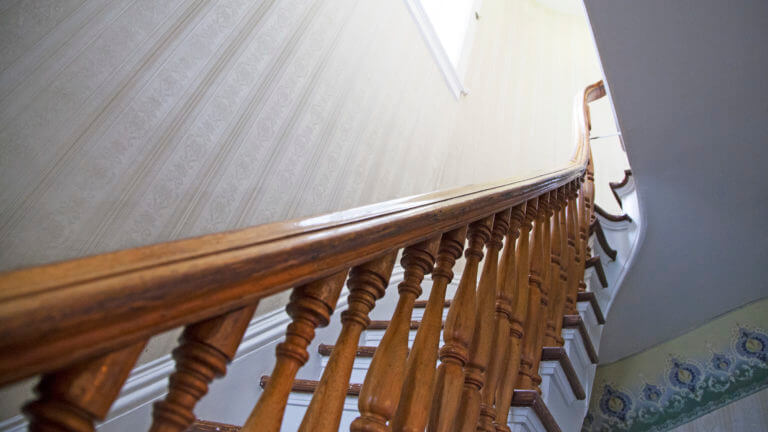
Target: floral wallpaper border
685	378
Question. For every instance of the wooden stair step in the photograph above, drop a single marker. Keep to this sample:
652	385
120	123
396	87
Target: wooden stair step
520	398
558	354
532	399
362	351
575	321
421	304
612	217
383	324
209	426
597	229
309	386
598	265
589	296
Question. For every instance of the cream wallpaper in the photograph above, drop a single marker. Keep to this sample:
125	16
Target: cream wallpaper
130	122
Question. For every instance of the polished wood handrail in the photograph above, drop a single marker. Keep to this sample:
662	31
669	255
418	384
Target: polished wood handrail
74	320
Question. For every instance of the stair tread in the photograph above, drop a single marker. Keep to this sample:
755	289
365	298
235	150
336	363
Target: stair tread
309	386
558	354
575	321
532	399
598	265
210	426
421	304
589	296
383	324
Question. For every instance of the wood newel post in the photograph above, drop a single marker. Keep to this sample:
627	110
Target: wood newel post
504	313
483	335
574	259
519	317
367	283
459	327
205	350
383	382
536	317
416	398
310	306
72	399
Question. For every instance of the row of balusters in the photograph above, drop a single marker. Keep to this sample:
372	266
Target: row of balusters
493	335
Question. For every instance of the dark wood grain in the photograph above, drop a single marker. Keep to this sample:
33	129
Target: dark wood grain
612	217
615	186
558	354
575	321
209	426
589	296
597	264
597	229
532	399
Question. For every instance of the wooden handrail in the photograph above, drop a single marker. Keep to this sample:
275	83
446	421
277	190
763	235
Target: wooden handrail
58	317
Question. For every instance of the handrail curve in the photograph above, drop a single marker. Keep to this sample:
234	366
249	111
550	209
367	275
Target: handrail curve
55	315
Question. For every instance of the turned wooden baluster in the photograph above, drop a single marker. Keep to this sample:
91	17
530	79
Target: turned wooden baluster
480	349
383	382
559	303
310	306
459	327
205	350
536	313
504	322
519	318
557	274
553	279
574	259
72	399
583	245
367	283
545	206
416	398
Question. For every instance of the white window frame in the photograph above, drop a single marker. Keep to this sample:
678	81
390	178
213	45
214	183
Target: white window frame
454	74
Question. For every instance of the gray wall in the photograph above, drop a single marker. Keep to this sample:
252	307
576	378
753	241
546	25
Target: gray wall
688	81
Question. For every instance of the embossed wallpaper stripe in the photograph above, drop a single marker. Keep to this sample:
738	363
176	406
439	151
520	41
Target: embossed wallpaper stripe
131	122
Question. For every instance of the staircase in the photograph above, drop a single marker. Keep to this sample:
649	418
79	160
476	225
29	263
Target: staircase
517	321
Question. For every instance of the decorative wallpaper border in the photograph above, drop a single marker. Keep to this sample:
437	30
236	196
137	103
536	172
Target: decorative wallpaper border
685	378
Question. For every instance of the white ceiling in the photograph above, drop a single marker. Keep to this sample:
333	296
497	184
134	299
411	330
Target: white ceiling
689	83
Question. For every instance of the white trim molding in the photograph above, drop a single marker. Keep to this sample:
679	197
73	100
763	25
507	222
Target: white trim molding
453	73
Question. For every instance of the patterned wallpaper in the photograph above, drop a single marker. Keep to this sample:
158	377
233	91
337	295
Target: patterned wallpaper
686	377
130	122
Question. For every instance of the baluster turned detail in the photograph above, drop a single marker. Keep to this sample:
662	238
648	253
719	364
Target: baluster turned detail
534	322
72	399
504	322
519	318
556	271
459	327
310	306
480	349
545	212
574	260
205	350
367	283
416	398
383	382
583	244
564	265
